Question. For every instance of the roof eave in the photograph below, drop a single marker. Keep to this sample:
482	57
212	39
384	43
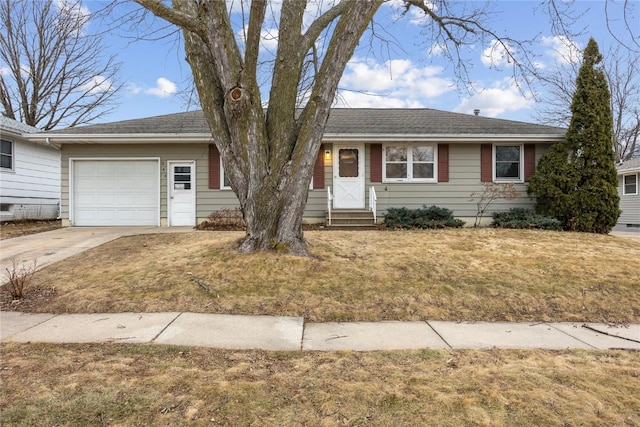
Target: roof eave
134	138
338	137
137	138
628	171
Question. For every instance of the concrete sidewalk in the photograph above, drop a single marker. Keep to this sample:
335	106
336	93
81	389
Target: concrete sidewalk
292	333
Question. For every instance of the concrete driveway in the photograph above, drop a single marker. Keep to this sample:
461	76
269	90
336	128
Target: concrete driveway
56	245
632	235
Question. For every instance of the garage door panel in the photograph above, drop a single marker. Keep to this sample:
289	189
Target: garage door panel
86	200
146	184
116	192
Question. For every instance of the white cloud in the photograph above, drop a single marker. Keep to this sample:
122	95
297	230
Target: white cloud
497	54
504	96
97	84
394	83
562	49
75	10
437	49
163	89
269	39
416	16
5	71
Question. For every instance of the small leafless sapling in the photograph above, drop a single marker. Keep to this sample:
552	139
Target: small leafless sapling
18	278
491	192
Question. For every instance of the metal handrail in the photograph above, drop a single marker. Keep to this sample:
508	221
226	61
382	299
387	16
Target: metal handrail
329	202
373	203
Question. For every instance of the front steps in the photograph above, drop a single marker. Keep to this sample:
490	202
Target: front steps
360	219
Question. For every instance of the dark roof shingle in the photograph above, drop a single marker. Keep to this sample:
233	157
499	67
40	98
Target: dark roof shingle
362	121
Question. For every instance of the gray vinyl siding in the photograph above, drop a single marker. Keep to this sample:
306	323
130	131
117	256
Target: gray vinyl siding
166	152
207	200
464	178
629	204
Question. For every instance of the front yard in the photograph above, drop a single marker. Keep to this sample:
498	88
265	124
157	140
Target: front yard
467	274
459	274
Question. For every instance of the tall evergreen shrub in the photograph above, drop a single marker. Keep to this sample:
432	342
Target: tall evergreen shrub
576	181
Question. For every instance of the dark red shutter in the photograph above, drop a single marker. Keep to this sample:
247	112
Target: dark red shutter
376	162
214	167
529	161
443	162
318	169
486	162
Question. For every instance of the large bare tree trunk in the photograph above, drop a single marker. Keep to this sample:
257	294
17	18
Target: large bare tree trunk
268	155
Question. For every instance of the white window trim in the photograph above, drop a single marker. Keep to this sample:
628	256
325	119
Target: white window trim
409	169
520	179
223	187
624	187
13	157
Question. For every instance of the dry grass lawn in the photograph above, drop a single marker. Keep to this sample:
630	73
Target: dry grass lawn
135	385
483	274
463	274
9	230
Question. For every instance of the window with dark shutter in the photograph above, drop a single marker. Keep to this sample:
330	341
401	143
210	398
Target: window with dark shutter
214	167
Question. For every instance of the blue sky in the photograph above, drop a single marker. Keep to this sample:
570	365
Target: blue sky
408	73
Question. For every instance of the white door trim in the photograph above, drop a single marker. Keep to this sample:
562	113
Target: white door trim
71	187
357	183
170	189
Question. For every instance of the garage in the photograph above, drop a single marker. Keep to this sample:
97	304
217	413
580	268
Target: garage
115	192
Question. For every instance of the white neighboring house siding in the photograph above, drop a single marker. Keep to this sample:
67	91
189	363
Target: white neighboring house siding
629	203
31	188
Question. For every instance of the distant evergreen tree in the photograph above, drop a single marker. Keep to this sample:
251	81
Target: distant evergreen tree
576	181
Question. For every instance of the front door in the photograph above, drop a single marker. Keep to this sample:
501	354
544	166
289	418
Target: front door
182	193
348	176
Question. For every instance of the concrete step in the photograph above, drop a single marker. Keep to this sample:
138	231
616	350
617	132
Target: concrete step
350	219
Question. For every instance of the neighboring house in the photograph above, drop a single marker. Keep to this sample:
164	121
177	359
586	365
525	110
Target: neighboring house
29	174
629	191
165	170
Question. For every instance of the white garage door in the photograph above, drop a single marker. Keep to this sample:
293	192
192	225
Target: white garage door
115	192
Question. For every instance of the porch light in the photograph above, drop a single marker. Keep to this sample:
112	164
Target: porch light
327	154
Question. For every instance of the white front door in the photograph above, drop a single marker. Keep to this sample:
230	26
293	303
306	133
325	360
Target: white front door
182	193
348	176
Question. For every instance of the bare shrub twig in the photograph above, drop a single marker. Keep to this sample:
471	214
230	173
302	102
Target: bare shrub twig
491	192
19	278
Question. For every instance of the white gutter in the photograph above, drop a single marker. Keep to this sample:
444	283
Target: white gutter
443	137
132	138
148	138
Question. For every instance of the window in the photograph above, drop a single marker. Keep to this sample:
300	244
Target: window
508	163
6	155
182	178
348	162
630	184
226	184
412	163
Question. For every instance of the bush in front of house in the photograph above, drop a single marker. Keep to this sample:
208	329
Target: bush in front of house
225	219
425	217
525	218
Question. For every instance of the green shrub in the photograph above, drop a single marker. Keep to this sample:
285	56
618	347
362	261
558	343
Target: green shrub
525	218
426	217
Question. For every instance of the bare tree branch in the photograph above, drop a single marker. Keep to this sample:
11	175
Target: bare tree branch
57	75
173	15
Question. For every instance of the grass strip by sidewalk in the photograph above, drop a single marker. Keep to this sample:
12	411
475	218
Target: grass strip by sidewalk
130	384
